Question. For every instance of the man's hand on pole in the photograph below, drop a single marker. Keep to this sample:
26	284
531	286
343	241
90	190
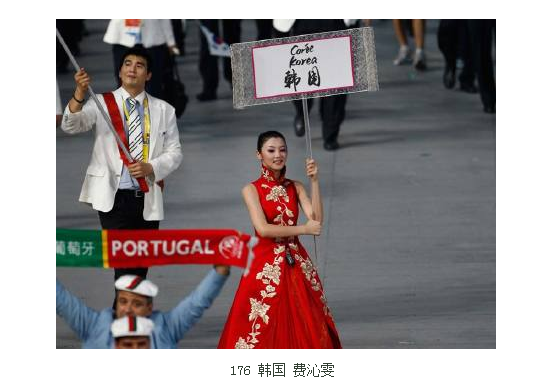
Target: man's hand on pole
82	81
140	169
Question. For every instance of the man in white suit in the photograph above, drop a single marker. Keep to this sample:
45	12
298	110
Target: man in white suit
110	186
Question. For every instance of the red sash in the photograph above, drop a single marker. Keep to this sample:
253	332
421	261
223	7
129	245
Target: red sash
117	121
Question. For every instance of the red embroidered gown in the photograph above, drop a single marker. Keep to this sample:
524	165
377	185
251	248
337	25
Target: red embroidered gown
279	305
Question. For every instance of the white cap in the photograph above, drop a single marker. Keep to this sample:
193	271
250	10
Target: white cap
131	326
137	285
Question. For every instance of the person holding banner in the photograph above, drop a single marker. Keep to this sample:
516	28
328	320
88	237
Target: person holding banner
134	297
281	303
148	129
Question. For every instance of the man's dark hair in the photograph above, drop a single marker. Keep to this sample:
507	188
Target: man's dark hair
137	51
264	137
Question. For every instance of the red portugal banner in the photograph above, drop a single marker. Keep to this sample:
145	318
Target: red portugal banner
146	248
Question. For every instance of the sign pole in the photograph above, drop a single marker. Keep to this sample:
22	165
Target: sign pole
307	126
309	153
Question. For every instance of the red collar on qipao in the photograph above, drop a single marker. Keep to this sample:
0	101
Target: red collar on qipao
269	176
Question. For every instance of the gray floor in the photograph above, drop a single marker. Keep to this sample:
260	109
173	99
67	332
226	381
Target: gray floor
408	248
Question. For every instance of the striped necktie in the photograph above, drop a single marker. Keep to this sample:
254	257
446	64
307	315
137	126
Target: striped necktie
136	139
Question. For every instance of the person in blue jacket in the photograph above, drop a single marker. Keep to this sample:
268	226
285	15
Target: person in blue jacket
135	297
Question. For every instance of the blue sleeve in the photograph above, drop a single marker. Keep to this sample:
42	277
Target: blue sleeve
189	311
77	315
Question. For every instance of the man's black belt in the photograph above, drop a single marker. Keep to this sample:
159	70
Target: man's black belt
136	193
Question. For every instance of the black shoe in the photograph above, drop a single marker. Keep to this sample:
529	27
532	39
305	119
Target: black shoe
489	109
469	88
300	128
420	66
331	145
449	78
206	96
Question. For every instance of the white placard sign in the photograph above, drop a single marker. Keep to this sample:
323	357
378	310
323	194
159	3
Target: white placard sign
303	67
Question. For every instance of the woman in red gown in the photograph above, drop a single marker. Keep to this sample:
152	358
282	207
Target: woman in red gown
281	303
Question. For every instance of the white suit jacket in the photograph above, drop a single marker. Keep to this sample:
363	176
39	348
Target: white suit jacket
154	33
104	170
